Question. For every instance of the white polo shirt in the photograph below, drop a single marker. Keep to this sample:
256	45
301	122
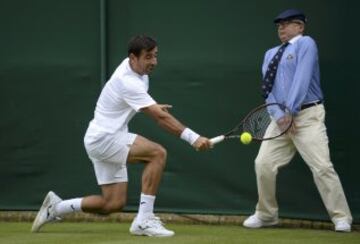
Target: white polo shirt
121	98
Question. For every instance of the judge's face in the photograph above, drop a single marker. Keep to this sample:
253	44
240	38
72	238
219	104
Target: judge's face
289	29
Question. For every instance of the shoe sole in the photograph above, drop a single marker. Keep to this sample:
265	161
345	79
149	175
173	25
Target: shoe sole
269	224
36	226
142	233
343	230
149	234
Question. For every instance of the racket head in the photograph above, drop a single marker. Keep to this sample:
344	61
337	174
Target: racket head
258	120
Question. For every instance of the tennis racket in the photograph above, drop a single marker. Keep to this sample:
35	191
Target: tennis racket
257	121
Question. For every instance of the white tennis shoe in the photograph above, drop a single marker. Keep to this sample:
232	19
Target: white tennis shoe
255	222
342	226
151	226
46	212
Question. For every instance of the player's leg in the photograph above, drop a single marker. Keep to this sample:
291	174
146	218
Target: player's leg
272	155
109	159
312	143
154	157
108	156
113	199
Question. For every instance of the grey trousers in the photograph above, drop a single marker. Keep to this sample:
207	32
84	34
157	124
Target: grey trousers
311	141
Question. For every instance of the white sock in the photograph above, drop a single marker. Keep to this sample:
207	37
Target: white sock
146	206
68	206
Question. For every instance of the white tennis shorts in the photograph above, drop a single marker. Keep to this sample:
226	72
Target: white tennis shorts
108	153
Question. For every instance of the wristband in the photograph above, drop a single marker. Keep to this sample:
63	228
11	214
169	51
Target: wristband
189	136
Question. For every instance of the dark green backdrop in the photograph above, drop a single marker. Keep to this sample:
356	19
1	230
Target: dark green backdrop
55	55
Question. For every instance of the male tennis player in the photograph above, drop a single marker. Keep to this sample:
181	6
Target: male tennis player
110	146
292	77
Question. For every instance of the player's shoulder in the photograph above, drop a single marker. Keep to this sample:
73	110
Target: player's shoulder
125	82
122	69
131	83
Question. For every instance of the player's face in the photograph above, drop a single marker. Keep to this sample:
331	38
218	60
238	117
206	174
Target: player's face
146	62
289	29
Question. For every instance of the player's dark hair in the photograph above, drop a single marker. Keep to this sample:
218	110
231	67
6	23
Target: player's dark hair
139	43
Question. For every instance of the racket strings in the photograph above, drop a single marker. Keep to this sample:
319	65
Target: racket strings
257	123
258	120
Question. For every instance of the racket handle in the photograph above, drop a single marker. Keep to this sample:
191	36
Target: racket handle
217	139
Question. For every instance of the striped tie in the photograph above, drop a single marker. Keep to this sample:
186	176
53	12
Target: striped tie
268	81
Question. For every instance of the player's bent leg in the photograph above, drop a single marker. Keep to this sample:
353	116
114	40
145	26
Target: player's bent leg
53	208
113	199
154	157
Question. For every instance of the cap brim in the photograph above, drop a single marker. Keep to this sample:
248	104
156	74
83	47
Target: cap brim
296	17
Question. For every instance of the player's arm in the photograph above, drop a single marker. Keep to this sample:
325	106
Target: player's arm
159	112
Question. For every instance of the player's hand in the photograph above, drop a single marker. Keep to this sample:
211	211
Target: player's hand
165	107
284	122
202	144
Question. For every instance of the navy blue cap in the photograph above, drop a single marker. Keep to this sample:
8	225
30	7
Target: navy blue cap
290	14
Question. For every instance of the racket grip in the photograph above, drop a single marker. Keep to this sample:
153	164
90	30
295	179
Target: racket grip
217	139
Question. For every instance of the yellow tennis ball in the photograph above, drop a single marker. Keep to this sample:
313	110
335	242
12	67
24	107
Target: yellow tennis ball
246	138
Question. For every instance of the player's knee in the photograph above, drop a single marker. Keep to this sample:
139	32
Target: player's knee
113	206
160	155
160	152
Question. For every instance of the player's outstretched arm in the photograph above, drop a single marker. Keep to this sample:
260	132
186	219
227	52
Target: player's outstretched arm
160	113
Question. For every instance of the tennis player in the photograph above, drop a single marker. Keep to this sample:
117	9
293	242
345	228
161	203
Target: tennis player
111	146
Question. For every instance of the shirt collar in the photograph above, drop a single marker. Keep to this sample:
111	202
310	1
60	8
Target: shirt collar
294	39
